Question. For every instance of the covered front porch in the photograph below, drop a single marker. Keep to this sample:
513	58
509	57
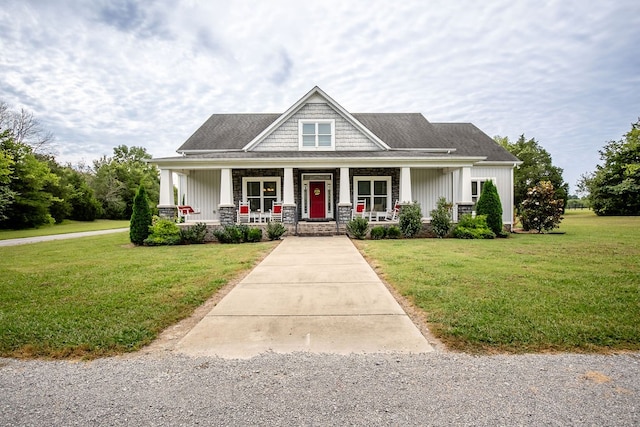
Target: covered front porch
310	194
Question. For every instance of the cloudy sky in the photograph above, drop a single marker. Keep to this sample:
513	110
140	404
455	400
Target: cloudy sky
148	73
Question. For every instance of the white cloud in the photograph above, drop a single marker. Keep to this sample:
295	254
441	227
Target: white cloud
100	74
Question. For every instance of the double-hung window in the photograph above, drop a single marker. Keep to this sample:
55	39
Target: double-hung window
375	191
476	187
261	193
317	134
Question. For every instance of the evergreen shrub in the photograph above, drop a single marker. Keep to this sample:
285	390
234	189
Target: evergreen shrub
378	232
163	232
275	230
394	232
473	228
140	218
489	205
194	234
410	220
358	227
441	218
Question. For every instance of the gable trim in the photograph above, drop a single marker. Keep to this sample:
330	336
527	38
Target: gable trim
299	104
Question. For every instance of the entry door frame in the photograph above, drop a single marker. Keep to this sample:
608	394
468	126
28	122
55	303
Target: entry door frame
305	188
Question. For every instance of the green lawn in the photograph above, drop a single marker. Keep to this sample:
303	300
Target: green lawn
99	296
67	226
578	291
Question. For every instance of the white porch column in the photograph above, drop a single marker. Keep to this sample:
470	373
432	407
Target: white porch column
405	185
166	188
287	195
226	188
465	185
345	187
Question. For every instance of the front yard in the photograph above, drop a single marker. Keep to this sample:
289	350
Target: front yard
99	296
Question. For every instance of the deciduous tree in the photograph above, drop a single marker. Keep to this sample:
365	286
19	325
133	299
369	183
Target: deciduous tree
614	188
536	166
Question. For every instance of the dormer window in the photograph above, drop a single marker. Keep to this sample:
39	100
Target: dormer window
317	134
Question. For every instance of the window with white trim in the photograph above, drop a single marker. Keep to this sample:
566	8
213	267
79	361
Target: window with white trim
476	187
261	192
316	134
374	190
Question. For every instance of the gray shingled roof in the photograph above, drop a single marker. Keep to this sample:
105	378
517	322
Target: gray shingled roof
467	139
400	131
228	131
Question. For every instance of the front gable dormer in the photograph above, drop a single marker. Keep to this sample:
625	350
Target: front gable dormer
316	123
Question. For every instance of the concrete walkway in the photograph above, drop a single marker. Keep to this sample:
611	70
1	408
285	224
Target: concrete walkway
38	239
312	294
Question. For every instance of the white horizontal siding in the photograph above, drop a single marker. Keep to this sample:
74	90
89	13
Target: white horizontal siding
203	193
427	186
347	138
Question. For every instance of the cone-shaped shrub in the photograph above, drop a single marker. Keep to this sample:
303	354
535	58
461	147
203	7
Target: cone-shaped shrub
140	218
489	204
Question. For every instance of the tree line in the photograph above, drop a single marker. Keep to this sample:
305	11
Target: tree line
35	189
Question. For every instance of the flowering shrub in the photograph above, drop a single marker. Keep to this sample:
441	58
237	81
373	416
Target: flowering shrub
541	211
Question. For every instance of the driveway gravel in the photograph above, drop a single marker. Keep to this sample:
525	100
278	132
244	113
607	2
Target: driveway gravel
440	388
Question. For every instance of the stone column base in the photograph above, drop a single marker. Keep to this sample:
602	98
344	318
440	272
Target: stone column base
227	214
289	214
167	211
464	208
344	212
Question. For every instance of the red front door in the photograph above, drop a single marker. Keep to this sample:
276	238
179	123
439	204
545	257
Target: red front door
317	208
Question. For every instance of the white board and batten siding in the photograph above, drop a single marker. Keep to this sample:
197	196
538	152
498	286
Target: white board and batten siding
503	182
347	137
427	186
203	193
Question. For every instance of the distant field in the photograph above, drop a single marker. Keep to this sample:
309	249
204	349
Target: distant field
578	291
67	226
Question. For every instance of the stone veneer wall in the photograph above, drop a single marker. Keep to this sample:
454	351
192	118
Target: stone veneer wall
464	208
168	211
394	173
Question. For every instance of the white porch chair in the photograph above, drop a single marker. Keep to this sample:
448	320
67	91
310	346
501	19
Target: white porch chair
392	215
276	212
244	212
360	209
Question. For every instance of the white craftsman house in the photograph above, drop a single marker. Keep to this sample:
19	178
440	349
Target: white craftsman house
319	160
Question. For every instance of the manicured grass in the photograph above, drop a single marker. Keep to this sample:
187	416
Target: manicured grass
67	226
99	296
578	291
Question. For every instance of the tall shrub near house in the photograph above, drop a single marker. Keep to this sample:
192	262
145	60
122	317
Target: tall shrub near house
441	218
489	204
140	218
410	220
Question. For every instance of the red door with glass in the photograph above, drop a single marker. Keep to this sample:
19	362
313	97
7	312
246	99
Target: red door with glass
317	208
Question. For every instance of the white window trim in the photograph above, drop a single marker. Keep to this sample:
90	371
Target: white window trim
480	180
332	122
357	179
261	180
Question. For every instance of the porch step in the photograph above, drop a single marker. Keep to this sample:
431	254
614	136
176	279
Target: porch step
319	229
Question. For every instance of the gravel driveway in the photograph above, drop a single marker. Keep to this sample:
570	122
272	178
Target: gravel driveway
441	388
